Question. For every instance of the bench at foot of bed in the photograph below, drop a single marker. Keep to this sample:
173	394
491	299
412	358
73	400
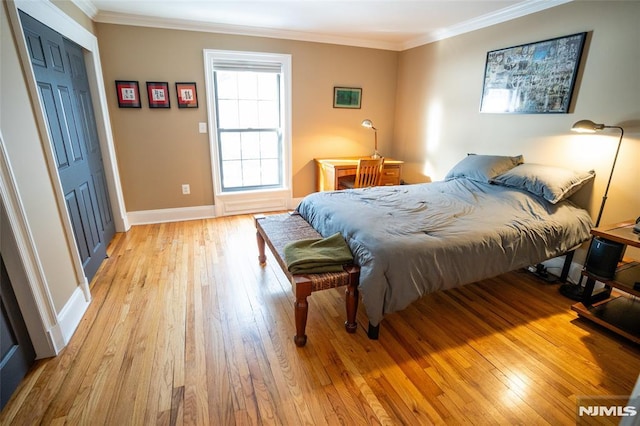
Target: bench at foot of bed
278	230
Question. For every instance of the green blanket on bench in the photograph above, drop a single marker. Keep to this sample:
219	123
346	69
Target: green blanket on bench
316	256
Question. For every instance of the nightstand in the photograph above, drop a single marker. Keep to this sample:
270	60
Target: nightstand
619	312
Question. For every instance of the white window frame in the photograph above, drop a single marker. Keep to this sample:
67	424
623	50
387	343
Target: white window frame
256	200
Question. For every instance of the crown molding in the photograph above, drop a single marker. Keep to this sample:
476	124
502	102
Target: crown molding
189	25
503	15
524	8
87	7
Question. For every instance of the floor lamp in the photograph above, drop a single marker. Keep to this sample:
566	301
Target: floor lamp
574	291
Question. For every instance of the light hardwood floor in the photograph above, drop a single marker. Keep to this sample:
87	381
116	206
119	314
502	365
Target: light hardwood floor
186	328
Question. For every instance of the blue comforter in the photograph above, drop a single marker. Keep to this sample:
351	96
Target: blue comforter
411	240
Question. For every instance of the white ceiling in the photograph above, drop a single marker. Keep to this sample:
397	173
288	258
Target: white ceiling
384	24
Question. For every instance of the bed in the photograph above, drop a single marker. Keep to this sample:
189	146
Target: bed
490	215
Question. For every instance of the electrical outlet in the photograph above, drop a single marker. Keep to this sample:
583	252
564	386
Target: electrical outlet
186	189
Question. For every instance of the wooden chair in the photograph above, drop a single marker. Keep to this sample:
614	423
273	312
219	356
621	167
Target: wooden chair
368	173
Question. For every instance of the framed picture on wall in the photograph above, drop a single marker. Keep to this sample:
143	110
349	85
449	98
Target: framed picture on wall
532	78
187	95
128	94
347	97
158	94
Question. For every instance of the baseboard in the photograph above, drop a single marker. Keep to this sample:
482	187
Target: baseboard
144	217
69	318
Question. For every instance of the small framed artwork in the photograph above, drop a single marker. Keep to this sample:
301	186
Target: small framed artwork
533	78
347	97
128	94
158	94
187	95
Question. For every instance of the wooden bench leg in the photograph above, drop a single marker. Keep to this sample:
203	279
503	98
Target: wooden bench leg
262	258
301	308
352	308
351	299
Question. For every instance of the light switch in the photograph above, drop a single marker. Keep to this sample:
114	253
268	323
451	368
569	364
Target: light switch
202	127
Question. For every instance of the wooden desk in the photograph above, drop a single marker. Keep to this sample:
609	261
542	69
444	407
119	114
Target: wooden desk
619	312
329	170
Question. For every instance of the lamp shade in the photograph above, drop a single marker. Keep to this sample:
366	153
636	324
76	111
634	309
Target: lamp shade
368	123
586	126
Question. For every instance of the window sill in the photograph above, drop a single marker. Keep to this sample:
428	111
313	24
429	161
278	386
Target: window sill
257	201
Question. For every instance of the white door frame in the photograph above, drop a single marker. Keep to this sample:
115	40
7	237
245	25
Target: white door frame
50	15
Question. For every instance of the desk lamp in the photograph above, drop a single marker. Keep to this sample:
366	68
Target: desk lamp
369	124
574	291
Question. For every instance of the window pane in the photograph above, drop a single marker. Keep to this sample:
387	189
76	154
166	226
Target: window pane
250	146
230	146
231	174
251	172
269	145
228	114
248	110
247	85
268	87
227	85
269	114
270	172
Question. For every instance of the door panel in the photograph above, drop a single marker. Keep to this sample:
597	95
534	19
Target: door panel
56	55
60	72
92	228
86	112
90	137
71	126
104	205
34	46
48	99
73	208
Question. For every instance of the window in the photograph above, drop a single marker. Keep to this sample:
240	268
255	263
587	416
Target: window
248	116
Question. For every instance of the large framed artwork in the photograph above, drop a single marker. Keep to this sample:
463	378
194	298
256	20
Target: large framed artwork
532	78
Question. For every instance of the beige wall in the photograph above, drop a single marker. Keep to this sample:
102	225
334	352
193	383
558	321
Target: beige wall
159	150
439	87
